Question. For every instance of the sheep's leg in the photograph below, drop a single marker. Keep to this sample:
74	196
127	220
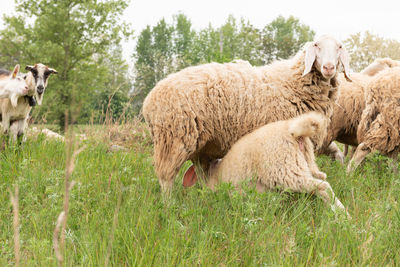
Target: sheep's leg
352	151
310	159
394	164
361	152
334	152
345	150
323	190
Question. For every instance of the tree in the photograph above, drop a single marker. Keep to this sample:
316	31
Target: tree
183	36
72	36
282	38
165	48
365	48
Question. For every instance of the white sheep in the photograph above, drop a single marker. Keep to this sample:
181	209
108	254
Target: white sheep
349	107
200	112
380	122
36	79
277	155
13	87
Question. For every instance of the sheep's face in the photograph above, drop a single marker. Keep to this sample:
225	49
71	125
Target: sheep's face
40	74
326	55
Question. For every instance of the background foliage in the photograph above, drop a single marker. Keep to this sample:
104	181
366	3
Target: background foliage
82	40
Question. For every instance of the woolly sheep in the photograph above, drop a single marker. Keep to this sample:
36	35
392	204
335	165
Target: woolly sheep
349	107
380	123
277	155
199	112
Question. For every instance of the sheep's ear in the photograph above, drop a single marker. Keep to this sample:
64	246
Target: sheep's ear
15	72
345	61
190	177
309	58
53	71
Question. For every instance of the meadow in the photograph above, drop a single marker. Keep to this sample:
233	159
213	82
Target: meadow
117	215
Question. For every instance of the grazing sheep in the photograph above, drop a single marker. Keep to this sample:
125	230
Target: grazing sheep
36	79
277	155
380	121
200	112
346	115
13	87
349	107
380	64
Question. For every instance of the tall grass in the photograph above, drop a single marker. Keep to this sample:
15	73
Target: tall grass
117	215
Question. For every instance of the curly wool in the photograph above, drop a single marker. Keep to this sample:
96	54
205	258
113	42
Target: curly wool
277	155
347	110
200	112
380	121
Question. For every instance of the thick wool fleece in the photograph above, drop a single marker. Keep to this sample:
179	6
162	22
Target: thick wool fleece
347	110
380	121
277	155
200	112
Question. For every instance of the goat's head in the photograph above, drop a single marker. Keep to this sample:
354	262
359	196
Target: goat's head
17	85
40	74
327	55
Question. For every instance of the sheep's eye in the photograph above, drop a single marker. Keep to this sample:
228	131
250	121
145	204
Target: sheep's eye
340	46
316	45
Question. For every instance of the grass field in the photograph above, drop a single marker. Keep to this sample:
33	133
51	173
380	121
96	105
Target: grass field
196	226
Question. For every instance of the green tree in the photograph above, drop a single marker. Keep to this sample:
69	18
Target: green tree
183	37
365	48
72	36
250	43
282	38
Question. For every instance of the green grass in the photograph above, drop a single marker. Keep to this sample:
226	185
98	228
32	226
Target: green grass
196	226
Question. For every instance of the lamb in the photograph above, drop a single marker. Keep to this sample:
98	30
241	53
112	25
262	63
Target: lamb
36	79
200	112
13	87
277	155
349	107
380	123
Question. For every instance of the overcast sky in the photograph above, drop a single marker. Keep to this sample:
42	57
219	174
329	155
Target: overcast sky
339	18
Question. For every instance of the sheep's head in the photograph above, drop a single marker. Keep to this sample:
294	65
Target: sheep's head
40	74
327	55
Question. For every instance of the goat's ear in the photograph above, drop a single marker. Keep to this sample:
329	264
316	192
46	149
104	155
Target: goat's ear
309	57
29	67
345	60
53	71
15	72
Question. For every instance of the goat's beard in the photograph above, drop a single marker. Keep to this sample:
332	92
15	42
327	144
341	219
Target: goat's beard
39	98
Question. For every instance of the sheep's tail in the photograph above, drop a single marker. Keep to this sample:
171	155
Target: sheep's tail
308	125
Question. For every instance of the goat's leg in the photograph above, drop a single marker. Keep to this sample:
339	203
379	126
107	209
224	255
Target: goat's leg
5	122
22	124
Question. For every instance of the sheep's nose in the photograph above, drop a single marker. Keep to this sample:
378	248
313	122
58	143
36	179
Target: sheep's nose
329	67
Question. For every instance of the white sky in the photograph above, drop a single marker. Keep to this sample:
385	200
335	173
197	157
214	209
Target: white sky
336	17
